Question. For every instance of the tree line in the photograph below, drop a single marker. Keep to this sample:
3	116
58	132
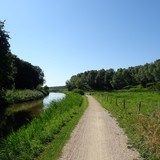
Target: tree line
14	72
147	75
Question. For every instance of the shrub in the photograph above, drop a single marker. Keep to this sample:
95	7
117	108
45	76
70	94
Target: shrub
157	86
79	91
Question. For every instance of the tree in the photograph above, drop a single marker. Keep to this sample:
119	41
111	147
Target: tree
157	70
7	69
121	78
144	75
133	71
71	84
91	79
108	78
81	81
100	79
27	76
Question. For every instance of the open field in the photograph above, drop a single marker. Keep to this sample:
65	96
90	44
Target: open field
138	113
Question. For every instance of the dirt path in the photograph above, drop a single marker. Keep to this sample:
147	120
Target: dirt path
97	137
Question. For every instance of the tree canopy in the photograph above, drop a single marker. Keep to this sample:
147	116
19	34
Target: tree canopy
27	76
7	68
14	72
144	75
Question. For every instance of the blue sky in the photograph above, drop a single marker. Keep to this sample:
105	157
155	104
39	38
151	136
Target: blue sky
66	37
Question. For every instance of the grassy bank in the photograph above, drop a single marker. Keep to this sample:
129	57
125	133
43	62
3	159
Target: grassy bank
138	113
17	96
30	141
53	150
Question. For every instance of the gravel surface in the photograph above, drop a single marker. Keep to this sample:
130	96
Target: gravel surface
97	136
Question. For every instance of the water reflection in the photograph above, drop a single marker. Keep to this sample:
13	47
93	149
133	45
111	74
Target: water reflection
13	122
32	106
51	97
19	114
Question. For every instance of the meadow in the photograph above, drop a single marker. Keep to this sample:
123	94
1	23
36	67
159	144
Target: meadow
139	114
30	141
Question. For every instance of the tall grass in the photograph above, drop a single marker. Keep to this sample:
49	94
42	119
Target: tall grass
141	124
17	96
28	142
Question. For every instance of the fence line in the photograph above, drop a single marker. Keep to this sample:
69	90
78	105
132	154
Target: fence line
123	102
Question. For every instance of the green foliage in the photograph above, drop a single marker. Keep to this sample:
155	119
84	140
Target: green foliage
79	91
7	69
91	76
16	73
28	142
108	78
153	86
139	117
46	88
157	86
17	96
99	79
116	80
27	76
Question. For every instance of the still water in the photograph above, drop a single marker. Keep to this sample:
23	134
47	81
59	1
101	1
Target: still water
35	107
51	97
22	113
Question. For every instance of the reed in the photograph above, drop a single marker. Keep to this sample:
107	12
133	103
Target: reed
17	96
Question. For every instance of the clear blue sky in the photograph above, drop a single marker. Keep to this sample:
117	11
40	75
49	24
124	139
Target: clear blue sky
66	37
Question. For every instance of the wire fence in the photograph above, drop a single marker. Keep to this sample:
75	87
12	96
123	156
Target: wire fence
132	104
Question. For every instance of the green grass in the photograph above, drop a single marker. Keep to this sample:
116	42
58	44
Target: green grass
17	96
53	150
142	127
30	141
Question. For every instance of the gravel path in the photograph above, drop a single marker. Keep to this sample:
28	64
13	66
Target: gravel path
97	137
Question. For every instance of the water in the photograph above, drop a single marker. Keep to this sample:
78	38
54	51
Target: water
51	97
22	113
35	107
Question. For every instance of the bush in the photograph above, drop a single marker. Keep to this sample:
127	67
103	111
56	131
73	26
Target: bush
157	86
79	91
153	86
128	87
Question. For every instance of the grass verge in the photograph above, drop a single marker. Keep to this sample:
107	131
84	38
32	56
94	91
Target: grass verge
138	113
54	149
30	141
